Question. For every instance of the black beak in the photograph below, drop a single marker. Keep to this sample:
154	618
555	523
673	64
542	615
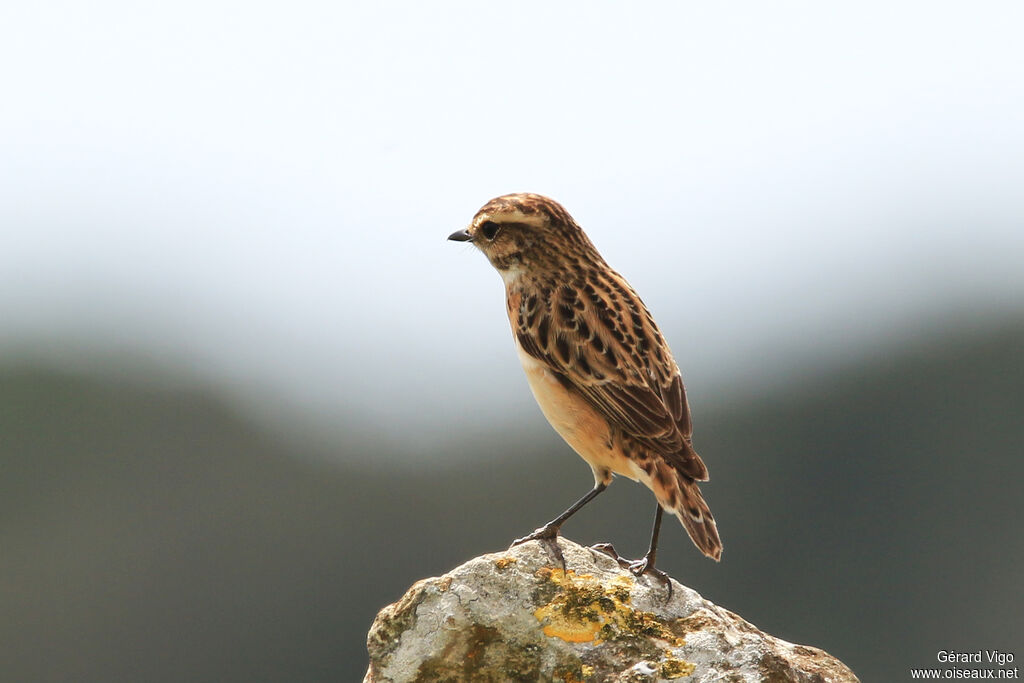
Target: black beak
460	236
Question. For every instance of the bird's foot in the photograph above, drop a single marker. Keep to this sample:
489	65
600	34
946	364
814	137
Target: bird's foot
609	550
645	565
548	536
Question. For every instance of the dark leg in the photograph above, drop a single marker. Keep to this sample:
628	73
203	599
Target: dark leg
653	550
548	534
645	565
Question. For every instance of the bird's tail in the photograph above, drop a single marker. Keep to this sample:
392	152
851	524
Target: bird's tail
680	495
695	515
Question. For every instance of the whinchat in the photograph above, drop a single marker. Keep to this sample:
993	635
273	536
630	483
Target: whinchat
596	363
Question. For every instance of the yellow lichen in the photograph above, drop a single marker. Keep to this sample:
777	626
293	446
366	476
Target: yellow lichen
557	627
567	676
505	562
584	610
577	611
676	668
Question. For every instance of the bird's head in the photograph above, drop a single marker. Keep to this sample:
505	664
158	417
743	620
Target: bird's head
526	232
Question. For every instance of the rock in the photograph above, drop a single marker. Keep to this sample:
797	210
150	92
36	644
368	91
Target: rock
517	616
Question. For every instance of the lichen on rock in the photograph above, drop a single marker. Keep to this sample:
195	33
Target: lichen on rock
513	616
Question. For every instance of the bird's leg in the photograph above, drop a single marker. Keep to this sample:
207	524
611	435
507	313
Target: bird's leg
548	534
550	530
646	564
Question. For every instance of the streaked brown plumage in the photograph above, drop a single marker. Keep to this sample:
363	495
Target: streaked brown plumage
595	360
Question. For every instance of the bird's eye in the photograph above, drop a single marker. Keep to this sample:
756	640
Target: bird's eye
489	229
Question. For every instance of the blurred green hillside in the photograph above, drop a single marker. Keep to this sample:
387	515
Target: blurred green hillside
149	532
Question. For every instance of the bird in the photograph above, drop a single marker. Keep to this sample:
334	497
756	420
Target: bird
597	364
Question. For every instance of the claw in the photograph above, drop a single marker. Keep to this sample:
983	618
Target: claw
644	566
548	537
609	550
636	567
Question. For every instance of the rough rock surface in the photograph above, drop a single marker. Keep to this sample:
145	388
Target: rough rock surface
517	616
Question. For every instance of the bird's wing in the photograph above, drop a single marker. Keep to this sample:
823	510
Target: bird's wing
598	335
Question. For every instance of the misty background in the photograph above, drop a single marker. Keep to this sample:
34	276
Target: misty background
249	394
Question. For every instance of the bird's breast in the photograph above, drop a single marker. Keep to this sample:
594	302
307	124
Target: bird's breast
575	420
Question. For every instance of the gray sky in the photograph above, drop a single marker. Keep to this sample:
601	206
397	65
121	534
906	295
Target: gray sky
263	190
